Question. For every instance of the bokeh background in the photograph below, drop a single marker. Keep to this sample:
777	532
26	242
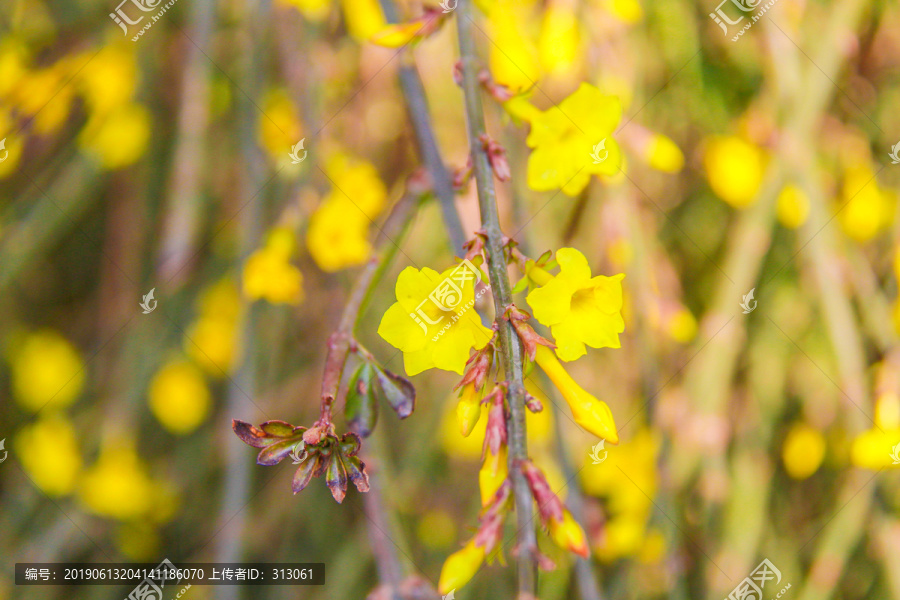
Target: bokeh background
163	164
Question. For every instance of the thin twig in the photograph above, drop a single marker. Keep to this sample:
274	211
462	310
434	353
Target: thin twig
510	348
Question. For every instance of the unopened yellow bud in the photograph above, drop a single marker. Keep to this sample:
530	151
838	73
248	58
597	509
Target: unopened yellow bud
664	155
492	475
568	534
460	567
537	274
468	410
590	413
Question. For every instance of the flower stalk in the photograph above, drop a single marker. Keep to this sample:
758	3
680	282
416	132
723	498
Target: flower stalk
509	348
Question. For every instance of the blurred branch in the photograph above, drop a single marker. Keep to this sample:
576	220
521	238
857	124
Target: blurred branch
417	104
510	347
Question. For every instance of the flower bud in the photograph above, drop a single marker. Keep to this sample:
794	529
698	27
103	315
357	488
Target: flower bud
460	567
493	473
568	534
590	413
468	410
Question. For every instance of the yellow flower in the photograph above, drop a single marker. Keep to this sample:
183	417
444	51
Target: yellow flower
622	536
363	18
513	58
568	534
492	474
460	567
734	169
564	138
314	10
46	371
357	183
179	397
436	529
792	207
118	485
119	138
803	451
627	11
590	414
868	208
663	154
429	336
637	457
579	309
269	274
558	42
338	236
280	126
211	341
468	410
48	451
682	326
109	80
874	449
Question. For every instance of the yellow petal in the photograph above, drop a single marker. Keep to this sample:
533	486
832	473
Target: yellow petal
460	567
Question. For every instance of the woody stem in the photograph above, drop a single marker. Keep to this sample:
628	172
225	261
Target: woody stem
511	354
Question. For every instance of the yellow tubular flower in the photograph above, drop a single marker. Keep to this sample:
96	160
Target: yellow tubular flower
591	414
565	139
48	451
468	410
579	309
734	169
492	474
803	451
429	336
568	534
460	567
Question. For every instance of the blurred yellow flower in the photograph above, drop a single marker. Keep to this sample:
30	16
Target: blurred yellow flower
314	10
356	182
460	567
363	18
211	341
622	536
139	541
446	341
46	370
118	484
559	38
579	309
792	206
627	11
436	529
589	413
637	458
663	154
280	125
867	209
734	168
48	451
803	450
179	397
682	326
338	236
573	140
108	80
874	449
119	138
268	274
514	60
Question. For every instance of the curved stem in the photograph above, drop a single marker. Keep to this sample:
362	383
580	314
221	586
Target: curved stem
510	347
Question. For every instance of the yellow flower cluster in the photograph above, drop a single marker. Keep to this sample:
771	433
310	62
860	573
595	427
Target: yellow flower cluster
269	274
337	237
625	532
